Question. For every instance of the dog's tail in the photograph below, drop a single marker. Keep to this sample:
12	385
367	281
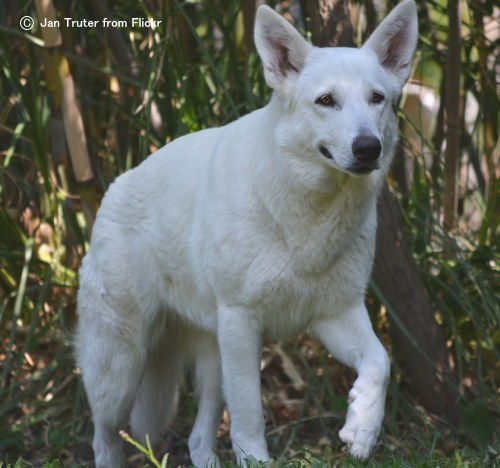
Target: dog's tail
156	400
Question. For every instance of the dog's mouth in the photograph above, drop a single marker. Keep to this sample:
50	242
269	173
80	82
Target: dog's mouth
358	168
325	152
363	169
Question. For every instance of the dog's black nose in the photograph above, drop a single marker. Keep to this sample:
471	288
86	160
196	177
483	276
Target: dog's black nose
366	149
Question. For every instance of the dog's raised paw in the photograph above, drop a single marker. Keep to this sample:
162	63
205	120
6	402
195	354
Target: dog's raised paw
359	442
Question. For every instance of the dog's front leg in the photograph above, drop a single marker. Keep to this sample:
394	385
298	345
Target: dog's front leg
240	348
350	338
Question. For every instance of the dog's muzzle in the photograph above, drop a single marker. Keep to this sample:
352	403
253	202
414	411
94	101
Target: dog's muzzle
366	151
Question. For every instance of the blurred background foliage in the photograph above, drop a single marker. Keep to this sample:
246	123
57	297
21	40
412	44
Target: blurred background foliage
80	105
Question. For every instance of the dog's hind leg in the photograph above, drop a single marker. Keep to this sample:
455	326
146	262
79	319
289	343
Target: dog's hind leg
350	338
156	399
202	441
111	360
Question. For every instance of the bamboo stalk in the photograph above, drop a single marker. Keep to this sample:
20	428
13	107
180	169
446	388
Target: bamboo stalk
453	117
61	86
63	90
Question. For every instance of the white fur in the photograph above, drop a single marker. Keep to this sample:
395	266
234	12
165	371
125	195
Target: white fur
231	235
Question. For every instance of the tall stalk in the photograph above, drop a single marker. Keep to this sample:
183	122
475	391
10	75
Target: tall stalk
453	116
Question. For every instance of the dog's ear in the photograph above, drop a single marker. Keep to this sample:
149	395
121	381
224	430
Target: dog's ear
395	39
282	49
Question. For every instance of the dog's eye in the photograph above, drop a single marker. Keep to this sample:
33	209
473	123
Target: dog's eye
377	97
326	100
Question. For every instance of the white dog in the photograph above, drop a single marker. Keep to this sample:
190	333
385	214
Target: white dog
259	229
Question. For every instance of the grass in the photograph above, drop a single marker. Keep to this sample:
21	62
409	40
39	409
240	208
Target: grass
193	73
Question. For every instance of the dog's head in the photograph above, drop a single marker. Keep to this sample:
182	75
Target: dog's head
338	101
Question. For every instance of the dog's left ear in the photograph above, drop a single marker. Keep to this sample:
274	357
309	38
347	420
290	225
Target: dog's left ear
395	39
282	49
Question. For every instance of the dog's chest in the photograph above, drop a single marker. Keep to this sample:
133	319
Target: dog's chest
287	299
308	268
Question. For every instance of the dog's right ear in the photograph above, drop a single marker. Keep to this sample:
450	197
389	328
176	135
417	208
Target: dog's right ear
282	49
